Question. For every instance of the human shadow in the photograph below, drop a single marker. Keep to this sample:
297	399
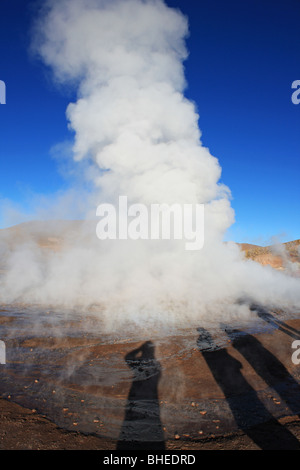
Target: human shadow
142	428
278	324
250	414
267	366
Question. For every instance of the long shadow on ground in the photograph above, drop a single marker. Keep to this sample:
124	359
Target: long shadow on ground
249	412
142	427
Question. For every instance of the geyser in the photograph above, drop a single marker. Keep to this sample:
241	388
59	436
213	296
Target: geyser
140	138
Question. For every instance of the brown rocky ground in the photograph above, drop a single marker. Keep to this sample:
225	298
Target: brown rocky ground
242	393
20	429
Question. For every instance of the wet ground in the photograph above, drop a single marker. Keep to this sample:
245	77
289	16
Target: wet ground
151	387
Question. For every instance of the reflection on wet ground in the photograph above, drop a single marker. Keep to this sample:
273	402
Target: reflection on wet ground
149	386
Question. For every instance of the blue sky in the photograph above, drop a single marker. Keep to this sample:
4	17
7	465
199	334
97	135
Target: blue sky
244	56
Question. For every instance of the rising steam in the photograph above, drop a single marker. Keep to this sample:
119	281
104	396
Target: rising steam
140	138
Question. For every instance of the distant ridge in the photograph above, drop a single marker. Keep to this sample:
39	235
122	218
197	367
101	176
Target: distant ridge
273	255
54	234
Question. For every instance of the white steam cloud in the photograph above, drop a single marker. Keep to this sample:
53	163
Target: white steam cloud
140	137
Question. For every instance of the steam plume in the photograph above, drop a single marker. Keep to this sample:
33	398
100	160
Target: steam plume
140	136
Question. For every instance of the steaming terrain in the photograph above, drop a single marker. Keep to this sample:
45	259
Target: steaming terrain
149	391
155	387
55	235
68	269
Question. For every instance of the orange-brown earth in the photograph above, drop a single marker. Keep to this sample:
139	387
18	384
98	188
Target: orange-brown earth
204	391
275	256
